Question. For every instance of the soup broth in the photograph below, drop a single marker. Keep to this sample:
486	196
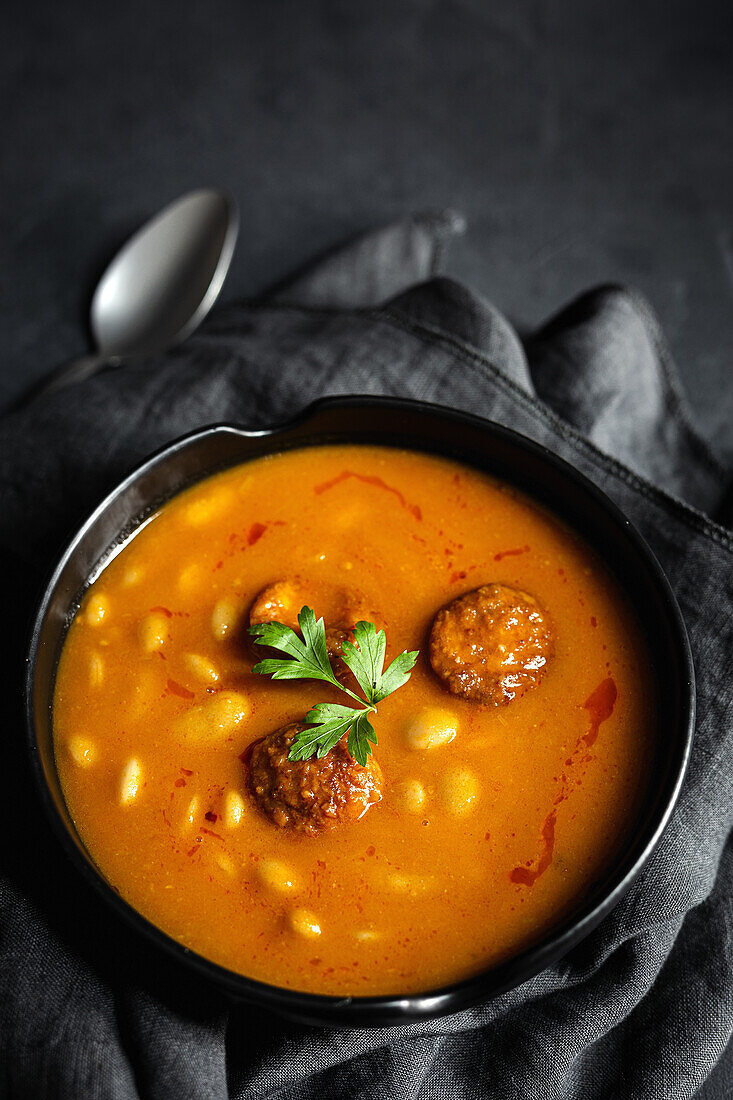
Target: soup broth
494	821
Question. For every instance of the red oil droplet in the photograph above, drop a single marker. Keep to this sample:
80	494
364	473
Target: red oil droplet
370	480
599	705
256	532
178	689
510	553
526	876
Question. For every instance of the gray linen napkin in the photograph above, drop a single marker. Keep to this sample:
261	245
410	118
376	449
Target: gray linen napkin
644	1007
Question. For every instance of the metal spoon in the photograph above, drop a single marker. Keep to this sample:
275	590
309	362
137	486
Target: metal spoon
160	285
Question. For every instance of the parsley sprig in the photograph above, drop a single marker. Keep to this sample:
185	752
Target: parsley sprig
306	658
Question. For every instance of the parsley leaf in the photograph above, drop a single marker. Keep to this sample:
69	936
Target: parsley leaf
360	734
327	724
365	657
306	658
397	674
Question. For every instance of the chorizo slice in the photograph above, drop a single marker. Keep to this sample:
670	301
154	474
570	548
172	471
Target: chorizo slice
491	644
309	796
282	601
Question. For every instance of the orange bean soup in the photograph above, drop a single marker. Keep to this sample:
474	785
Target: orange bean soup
495	822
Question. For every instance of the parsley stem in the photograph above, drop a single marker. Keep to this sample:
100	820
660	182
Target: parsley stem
370	708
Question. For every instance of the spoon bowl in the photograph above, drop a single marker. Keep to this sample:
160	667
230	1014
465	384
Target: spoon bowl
165	279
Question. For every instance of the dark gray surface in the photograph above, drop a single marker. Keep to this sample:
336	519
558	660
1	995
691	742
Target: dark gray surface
585	142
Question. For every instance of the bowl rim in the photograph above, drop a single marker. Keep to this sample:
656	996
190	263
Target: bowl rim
388	1009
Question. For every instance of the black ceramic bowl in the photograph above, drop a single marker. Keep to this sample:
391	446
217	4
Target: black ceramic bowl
419	427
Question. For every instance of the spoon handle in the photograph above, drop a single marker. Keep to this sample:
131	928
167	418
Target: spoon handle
67	375
76	371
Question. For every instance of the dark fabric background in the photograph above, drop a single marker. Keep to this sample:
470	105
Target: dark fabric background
643	1008
586	142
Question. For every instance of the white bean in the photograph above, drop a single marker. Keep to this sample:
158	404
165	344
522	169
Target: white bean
276	876
83	751
132	575
146	687
213	721
412	885
225	863
410	795
459	789
352	515
207	507
130	781
190	577
201	668
366	935
233	809
431	728
153	631
304	923
225	618
97	608
96	670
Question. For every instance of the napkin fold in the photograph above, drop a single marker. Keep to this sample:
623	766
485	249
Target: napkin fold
644	1006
